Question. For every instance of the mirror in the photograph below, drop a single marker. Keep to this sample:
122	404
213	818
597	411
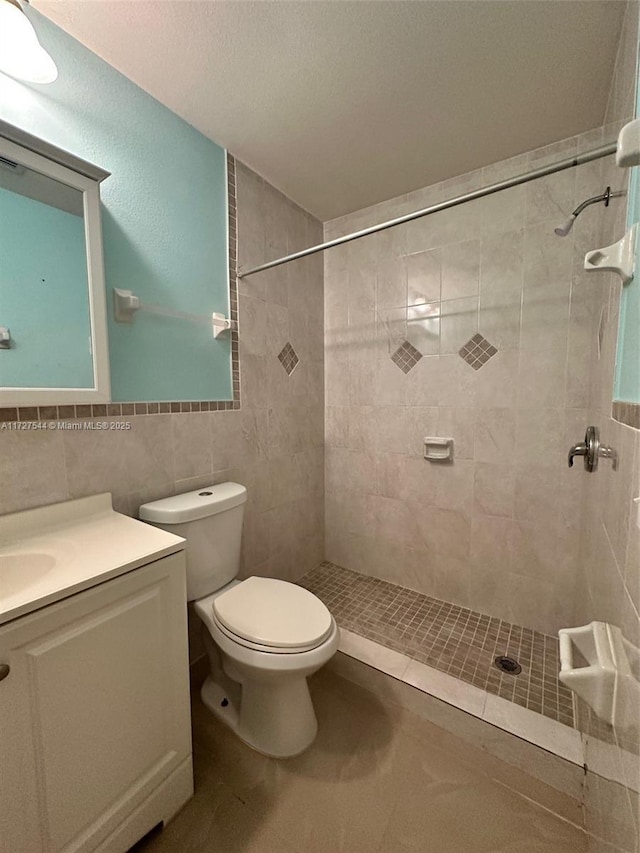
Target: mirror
627	379
53	340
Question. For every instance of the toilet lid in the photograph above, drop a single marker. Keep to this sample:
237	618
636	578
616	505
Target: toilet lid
273	613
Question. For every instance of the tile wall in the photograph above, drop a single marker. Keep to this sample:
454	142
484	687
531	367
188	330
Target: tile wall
500	314
608	586
273	444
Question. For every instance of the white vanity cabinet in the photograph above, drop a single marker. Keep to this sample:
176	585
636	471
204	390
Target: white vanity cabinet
95	742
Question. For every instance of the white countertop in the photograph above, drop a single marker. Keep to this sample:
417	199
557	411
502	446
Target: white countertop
52	552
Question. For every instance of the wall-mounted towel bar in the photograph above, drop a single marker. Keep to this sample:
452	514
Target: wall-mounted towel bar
126	304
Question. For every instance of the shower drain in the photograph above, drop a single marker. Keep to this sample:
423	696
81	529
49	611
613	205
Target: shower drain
508	665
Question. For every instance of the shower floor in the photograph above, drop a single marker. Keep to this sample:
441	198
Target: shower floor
460	642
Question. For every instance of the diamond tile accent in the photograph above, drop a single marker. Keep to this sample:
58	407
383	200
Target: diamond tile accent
406	356
288	358
461	642
477	351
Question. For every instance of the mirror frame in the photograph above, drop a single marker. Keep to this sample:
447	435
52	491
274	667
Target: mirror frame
34	153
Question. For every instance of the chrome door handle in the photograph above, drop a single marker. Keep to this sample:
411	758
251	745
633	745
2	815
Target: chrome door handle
592	450
5	669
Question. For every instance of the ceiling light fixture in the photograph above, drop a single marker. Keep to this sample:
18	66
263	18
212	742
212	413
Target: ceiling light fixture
21	54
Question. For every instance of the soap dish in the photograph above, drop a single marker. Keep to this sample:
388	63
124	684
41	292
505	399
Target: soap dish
618	258
596	663
438	449
628	152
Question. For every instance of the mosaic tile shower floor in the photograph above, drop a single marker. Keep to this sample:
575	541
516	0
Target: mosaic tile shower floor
452	639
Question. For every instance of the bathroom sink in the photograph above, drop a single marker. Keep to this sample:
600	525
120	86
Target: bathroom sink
18	571
52	552
22	569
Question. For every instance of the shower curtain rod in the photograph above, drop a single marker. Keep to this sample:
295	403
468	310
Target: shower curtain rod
559	166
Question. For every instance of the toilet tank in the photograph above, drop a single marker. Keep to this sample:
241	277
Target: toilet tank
210	519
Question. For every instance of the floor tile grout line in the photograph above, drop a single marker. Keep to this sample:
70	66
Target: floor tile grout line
450	638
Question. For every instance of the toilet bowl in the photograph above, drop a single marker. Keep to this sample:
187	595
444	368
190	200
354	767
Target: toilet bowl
263	636
274	713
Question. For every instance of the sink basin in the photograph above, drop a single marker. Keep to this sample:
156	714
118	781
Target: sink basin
18	571
25	568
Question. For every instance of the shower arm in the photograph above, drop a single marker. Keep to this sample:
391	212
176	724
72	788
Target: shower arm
606	197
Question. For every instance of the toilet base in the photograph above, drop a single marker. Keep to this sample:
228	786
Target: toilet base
275	719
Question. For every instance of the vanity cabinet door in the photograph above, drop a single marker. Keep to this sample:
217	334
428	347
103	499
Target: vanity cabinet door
94	711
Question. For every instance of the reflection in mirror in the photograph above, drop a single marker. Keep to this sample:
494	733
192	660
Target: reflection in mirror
44	297
53	336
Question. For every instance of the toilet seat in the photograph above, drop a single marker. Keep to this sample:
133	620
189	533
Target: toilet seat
271	615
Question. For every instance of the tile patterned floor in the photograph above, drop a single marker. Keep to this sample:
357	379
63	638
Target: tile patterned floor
377	779
453	639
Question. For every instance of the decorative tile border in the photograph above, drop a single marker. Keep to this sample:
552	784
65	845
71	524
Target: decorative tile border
233	280
51	413
108	410
626	413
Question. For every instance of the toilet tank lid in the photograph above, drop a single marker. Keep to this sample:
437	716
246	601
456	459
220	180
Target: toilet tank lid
190	506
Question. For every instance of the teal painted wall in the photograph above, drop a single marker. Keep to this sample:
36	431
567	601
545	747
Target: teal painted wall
43	296
164	216
627	384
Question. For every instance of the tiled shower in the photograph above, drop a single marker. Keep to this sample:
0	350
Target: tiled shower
479	324
473	323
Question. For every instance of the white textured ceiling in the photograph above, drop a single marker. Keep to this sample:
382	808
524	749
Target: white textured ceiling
343	104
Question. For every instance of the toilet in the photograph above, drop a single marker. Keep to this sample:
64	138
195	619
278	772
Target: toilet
263	636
